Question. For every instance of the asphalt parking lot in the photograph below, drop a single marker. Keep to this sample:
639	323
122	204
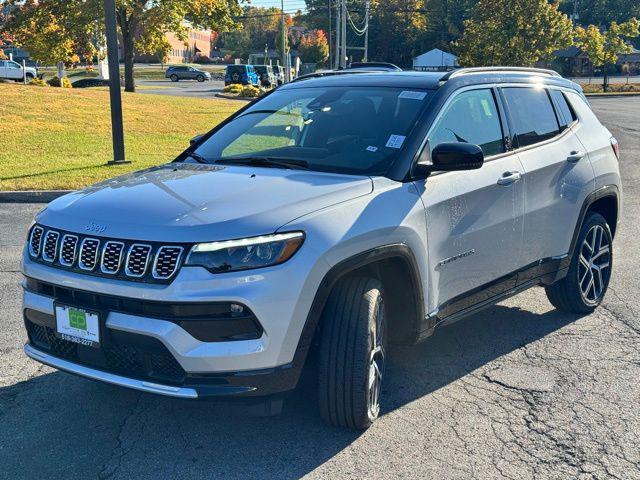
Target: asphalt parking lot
518	391
183	88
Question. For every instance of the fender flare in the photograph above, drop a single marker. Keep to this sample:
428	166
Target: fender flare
343	268
606	191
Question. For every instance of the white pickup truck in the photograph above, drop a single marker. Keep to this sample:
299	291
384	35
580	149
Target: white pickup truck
11	70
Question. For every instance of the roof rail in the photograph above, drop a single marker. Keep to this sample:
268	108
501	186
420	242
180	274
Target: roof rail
464	71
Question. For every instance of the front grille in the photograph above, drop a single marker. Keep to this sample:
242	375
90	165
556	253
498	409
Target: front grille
126	354
68	250
123	259
50	249
111	257
166	262
35	241
137	260
89	253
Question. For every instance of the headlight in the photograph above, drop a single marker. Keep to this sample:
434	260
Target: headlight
245	253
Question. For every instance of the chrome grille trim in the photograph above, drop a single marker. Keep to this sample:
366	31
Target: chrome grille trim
169	262
142	253
35	237
68	242
115	250
83	260
50	249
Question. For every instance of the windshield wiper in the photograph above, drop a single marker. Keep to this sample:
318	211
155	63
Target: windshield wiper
267	162
197	157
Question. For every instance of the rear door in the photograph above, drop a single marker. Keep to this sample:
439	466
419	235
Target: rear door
474	218
3	73
557	172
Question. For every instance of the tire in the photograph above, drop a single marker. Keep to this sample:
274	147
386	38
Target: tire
174	78
235	77
29	78
200	78
585	285
352	353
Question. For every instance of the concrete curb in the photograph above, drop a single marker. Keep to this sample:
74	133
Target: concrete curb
613	94
32	196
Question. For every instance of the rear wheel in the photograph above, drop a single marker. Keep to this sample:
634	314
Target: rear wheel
174	78
352	353
585	285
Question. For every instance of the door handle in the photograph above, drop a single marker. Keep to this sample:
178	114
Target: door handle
508	178
575	155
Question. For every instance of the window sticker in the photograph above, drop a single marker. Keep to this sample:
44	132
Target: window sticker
412	95
486	107
371	148
395	141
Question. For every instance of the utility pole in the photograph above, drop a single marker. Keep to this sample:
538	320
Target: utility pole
338	28
365	58
117	130
343	39
285	55
330	42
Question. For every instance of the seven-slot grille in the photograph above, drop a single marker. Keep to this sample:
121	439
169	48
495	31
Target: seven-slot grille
106	257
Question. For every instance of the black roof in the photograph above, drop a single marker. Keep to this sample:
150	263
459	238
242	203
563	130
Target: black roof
429	80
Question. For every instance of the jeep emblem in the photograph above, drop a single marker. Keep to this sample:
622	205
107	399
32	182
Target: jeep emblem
94	227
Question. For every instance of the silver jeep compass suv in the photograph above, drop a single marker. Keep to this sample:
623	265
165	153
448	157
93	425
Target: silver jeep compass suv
335	215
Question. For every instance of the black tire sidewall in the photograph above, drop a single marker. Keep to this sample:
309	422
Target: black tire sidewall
174	78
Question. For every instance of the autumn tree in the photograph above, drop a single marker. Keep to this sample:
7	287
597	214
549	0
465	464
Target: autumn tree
513	32
142	24
603	47
314	47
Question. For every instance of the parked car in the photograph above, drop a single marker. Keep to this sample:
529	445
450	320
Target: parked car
266	75
11	70
183	72
242	74
323	222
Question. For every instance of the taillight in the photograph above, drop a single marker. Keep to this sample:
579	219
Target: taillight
614	145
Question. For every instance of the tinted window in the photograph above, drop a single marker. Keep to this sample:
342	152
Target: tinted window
532	114
359	130
566	114
471	117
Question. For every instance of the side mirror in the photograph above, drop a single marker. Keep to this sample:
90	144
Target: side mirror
451	156
195	140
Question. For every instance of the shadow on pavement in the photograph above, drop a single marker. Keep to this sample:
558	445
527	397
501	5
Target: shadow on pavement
74	428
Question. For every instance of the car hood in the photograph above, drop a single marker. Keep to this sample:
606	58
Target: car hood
195	203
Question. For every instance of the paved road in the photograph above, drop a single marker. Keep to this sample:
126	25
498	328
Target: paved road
183	88
519	391
613	79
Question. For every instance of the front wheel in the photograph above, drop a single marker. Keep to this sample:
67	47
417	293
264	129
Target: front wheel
200	78
585	285
174	78
352	353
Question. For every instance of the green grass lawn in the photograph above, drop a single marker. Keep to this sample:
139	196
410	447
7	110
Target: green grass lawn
54	138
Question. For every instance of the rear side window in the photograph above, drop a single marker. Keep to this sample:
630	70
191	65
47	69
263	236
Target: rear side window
565	113
471	117
532	113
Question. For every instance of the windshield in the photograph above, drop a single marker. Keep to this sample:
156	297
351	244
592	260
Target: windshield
358	130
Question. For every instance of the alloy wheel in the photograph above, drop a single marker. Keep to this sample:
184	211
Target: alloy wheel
376	363
594	265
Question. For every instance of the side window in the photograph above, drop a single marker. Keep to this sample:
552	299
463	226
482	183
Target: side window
532	113
13	65
471	117
567	116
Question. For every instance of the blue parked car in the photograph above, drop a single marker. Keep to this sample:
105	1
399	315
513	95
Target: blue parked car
242	74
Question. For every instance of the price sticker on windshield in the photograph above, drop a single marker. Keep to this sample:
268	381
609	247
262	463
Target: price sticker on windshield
395	141
412	95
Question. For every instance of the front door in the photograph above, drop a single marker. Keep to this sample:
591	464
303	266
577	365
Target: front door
474	218
13	70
